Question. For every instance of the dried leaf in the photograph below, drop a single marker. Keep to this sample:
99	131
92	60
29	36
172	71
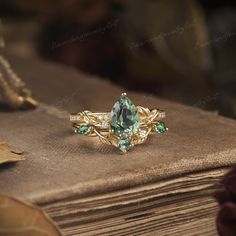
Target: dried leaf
20	219
7	154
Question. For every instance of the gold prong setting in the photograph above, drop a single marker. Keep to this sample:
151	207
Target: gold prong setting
117	128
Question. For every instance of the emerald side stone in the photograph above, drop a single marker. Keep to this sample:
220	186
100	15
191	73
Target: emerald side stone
83	129
124	145
160	127
124	118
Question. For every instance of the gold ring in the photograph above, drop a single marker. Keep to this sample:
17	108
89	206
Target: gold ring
125	126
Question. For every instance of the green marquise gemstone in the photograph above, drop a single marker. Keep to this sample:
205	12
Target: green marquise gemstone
124	145
83	129
124	118
160	127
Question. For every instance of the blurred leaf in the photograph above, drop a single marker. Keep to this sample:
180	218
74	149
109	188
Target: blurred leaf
176	29
19	219
8	154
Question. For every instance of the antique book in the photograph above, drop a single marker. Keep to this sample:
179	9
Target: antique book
162	187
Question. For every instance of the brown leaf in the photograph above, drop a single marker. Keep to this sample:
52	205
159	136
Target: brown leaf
7	154
20	219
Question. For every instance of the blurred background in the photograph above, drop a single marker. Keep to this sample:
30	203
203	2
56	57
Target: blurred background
181	50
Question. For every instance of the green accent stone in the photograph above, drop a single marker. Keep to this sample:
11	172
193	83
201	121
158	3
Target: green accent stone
124	118
83	129
160	127
124	145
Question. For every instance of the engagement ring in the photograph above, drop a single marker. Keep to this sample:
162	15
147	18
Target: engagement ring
124	127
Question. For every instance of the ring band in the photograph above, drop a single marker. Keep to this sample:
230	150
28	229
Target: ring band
125	126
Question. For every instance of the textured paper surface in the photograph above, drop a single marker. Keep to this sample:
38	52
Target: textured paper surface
175	206
60	164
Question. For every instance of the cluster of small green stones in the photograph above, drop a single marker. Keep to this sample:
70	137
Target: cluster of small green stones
124	122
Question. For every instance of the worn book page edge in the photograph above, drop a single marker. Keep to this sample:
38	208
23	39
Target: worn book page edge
137	179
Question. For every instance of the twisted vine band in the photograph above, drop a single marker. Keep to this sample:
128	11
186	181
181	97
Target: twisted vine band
125	126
